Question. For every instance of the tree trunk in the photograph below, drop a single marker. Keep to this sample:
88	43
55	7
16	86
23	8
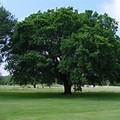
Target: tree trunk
67	88
64	79
34	85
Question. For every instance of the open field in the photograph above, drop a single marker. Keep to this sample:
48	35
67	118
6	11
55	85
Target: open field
102	103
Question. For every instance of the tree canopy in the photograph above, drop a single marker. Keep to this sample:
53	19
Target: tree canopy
7	23
66	46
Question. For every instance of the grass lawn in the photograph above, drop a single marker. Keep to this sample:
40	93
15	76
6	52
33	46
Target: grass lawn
51	104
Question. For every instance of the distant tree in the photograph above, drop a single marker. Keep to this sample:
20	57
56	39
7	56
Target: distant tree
5	80
66	46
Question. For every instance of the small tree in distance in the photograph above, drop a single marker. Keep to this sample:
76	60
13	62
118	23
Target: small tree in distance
65	45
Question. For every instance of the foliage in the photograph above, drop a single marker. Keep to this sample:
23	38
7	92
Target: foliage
91	55
7	23
66	46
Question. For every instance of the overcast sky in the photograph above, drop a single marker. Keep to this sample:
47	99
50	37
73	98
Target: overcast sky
23	8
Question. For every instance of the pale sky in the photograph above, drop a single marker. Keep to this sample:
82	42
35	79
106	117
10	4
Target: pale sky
23	8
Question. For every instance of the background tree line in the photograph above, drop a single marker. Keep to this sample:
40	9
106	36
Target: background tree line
62	46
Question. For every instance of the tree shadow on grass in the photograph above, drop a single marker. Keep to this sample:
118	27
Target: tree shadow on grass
111	96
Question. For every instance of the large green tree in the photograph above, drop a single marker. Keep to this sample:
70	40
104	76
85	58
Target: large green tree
66	46
7	23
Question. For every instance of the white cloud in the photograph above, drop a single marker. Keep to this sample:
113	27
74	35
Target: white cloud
113	9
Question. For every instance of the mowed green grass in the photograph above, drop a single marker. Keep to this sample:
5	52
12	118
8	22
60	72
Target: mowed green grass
49	104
